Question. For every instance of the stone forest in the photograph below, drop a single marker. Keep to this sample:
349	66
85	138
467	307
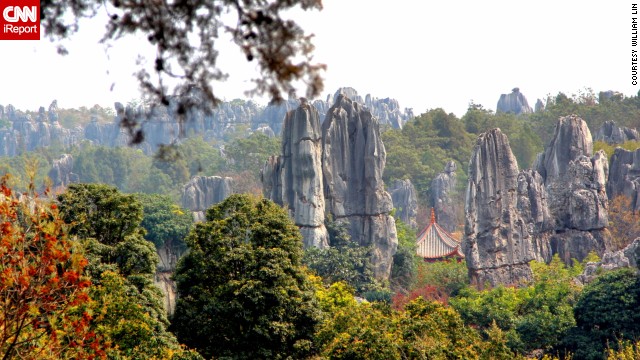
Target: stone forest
343	228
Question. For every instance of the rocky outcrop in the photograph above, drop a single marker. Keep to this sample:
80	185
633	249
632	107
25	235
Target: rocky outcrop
576	184
294	179
443	188
201	192
612	134
405	202
353	160
27	134
571	140
624	176
274	114
61	173
506	222
539	107
344	182
627	257
515	103
387	110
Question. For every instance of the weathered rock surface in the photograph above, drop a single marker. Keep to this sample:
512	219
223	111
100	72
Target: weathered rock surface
353	160
539	106
61	173
627	257
515	103
571	139
338	172
294	179
624	176
387	111
201	192
576	186
612	134
26	134
443	188
168	261
405	201
506	225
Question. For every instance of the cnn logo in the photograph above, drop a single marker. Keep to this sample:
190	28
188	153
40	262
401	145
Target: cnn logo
15	13
20	20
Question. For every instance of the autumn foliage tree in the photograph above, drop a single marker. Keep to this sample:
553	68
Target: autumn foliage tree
624	222
44	299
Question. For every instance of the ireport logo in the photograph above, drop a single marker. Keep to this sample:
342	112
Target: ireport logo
19	19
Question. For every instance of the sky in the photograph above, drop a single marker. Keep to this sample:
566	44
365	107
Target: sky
425	54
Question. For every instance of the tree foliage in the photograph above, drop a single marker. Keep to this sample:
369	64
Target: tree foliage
606	312
122	265
422	330
533	317
405	261
101	212
624	222
424	145
344	260
243	292
165	222
44	295
524	142
185	35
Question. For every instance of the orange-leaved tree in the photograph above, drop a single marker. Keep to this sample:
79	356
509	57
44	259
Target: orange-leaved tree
44	302
624	222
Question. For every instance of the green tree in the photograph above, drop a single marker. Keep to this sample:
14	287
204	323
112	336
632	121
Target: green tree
533	317
344	260
130	321
606	312
251	152
202	157
361	331
165	222
424	145
243	292
449	276
432	331
404	269
101	212
122	265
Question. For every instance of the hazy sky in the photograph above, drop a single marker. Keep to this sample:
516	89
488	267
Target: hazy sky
426	54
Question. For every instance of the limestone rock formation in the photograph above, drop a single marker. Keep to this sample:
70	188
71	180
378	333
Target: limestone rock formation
506	225
274	114
443	188
387	111
624	176
27	134
576	184
353	160
627	257
294	179
405	201
539	107
336	171
203	191
612	134
515	103
61	173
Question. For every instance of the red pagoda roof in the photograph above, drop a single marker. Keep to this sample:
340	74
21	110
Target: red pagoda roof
434	242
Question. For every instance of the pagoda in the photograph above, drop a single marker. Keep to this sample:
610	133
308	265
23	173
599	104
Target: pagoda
436	244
